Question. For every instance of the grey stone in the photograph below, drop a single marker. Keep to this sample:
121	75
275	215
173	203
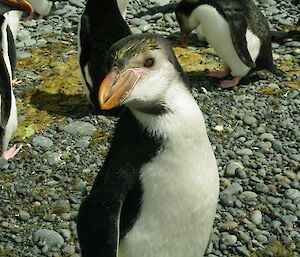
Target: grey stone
80	128
250	120
292	193
3	163
43	142
54	158
66	233
83	143
228	239
48	238
80	186
61	206
24	215
244	151
256	217
267	136
77	3
69	249
231	168
23	54
135	30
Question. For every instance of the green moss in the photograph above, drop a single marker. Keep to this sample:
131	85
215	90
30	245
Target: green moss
5	253
58	90
100	137
196	60
276	248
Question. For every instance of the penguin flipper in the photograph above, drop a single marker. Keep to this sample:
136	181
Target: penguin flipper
85	46
5	93
98	224
238	29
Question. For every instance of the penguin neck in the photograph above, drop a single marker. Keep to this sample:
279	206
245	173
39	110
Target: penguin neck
181	115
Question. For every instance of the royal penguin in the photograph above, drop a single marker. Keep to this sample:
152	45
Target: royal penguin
101	25
236	29
40	7
8	115
156	194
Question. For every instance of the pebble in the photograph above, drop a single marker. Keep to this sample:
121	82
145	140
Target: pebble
256	217
61	206
54	158
228	239
267	137
43	142
244	151
80	128
250	120
49	239
3	164
24	215
292	193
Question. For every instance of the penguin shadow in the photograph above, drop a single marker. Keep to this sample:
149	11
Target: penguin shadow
200	80
73	106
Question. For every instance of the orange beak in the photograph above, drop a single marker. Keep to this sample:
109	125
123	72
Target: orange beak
115	88
20	5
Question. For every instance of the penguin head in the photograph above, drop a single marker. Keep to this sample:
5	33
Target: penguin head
8	5
140	70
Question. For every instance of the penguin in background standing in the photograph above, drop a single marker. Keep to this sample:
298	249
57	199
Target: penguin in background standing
8	115
236	29
40	7
101	25
156	194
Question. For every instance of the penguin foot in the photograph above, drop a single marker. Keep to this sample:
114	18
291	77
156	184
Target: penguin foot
35	16
230	83
10	153
218	74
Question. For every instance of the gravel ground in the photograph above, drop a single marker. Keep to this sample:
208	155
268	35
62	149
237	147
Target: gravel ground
254	129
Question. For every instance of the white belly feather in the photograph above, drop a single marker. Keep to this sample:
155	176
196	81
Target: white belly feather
217	33
180	194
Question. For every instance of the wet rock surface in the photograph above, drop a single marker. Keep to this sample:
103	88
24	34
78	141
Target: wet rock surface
254	130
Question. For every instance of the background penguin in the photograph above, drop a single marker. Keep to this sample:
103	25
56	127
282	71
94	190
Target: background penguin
8	115
237	30
101	25
157	192
40	7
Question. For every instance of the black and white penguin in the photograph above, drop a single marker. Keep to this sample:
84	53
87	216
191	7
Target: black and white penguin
236	29
8	115
40	7
101	25
157	192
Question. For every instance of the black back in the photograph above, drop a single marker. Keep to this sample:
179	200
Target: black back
5	82
101	25
240	15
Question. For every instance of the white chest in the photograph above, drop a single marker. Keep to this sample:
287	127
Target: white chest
180	194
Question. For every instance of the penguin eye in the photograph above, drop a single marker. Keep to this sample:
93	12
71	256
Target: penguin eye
149	62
